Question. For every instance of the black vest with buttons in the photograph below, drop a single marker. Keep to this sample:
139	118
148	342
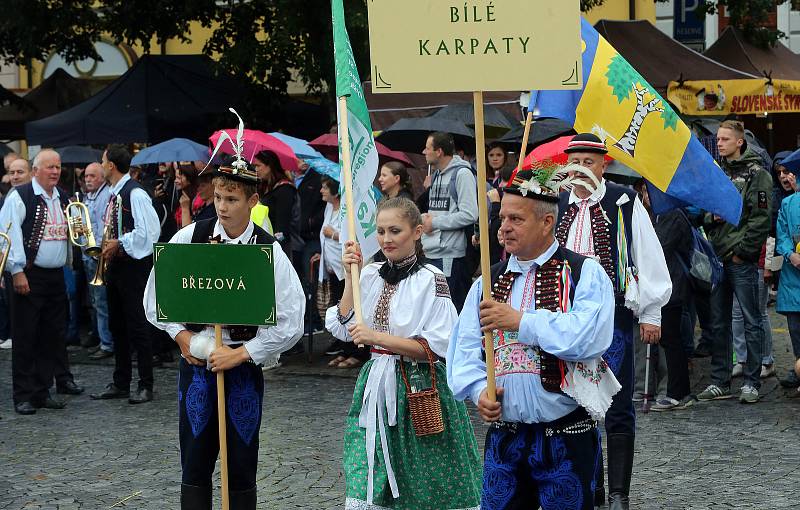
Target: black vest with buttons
203	232
35	219
126	214
604	233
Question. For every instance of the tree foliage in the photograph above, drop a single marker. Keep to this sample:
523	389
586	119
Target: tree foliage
751	17
265	43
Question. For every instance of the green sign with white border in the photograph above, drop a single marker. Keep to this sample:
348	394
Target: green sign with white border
231	284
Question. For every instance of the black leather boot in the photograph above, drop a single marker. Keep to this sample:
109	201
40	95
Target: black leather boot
620	466
243	500
195	498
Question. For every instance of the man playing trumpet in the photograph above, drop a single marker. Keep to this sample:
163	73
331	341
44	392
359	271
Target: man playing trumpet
39	251
133	227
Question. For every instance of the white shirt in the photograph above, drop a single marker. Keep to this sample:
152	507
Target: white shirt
655	286
330	254
289	298
138	243
54	248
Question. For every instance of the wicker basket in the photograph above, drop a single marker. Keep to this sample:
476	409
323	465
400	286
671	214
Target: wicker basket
425	406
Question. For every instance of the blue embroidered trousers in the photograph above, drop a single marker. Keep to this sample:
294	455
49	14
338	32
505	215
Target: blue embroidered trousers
524	468
198	428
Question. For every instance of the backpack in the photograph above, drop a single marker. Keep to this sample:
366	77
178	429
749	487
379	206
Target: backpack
472	254
702	265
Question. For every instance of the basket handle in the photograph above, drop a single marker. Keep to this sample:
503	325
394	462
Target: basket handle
429	353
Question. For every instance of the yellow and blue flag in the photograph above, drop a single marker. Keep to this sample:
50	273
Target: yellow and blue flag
641	130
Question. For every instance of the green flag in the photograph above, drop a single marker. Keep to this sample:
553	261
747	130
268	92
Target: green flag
363	153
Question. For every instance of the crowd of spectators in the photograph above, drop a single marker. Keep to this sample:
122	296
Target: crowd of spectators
301	209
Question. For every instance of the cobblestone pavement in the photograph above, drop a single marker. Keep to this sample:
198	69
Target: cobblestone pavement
98	455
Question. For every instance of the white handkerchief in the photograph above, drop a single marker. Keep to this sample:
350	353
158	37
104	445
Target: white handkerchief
592	384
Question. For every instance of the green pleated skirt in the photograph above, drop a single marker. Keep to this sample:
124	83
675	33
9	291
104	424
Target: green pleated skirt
436	472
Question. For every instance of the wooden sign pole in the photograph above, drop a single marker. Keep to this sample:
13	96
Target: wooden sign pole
347	181
527	132
223	433
483	225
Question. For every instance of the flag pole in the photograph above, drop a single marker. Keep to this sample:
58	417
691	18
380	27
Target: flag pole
223	434
347	182
527	132
483	225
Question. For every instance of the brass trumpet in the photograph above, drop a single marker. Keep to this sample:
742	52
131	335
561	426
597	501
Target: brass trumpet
79	223
6	249
100	272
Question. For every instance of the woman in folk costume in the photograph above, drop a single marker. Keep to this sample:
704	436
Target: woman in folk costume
551	318
393	457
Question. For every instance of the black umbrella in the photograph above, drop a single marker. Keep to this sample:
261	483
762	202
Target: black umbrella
410	135
496	122
79	155
542	130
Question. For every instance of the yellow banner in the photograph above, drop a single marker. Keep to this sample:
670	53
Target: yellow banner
450	46
735	96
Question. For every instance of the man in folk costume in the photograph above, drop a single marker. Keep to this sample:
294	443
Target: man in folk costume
133	227
551	318
611	225
36	223
244	350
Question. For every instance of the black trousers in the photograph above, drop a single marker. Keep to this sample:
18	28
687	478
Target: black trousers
198	429
677	360
125	284
526	468
38	325
621	416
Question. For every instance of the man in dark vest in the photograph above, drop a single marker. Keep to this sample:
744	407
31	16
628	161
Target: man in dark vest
245	349
611	225
551	319
128	252
37	226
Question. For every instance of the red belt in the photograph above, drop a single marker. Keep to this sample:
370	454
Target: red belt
380	350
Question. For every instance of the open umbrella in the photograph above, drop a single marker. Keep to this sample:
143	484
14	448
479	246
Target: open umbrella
300	147
542	130
255	142
410	135
329	145
324	166
496	122
79	155
176	149
553	151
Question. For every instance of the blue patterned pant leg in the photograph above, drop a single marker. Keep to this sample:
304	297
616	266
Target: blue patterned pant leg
244	394
504	484
198	423
563	467
621	417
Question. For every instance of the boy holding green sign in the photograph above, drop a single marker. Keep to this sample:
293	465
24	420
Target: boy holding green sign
244	349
